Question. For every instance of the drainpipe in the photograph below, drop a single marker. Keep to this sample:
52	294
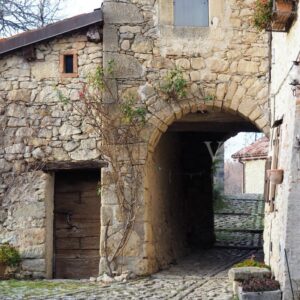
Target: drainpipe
243	184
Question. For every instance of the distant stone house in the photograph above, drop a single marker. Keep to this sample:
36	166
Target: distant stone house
253	158
50	157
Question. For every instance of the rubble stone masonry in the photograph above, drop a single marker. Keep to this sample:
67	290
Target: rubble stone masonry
227	60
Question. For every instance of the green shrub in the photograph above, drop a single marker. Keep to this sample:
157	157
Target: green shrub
251	263
9	255
174	84
262	14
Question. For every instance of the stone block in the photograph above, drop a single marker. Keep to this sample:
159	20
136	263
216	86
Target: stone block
15	149
32	252
248	272
197	63
217	65
110	38
5	166
19	95
45	70
142	45
33	210
34	265
68	130
132	29
126	66
195	76
85	154
247	67
121	13
183	63
15	110
125	45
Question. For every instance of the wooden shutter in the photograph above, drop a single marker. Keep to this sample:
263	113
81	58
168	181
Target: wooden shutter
267	181
191	13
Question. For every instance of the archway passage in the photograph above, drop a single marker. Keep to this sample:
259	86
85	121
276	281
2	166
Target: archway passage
180	183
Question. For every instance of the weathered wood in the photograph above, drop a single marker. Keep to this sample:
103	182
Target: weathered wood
212	127
75	268
68	165
77	224
76	253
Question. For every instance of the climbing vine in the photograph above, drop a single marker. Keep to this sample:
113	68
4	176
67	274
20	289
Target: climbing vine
118	123
174	85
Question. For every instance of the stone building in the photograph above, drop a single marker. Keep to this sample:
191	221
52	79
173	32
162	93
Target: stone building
51	211
254	158
281	236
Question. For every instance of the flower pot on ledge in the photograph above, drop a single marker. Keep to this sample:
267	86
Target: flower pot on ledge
283	16
275	176
284	5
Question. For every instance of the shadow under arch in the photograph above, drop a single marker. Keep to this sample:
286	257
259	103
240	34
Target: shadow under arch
178	178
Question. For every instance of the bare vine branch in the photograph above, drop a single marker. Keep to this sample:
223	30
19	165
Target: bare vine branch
22	15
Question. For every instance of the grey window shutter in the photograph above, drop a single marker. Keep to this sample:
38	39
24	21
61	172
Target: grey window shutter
191	13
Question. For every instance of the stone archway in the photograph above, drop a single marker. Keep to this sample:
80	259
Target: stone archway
140	252
174	204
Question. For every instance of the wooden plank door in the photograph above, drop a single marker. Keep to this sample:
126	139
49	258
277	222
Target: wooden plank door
76	224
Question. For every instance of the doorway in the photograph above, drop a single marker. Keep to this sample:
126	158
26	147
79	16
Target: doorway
76	224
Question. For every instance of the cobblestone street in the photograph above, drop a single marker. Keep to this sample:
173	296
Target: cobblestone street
200	276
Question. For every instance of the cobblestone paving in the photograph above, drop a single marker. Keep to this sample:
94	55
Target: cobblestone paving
200	276
240	223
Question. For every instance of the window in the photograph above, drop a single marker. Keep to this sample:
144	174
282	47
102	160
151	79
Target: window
68	64
191	13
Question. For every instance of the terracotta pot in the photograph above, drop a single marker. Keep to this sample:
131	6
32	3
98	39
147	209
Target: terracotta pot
275	176
2	270
284	6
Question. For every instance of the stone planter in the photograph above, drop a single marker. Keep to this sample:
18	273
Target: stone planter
267	295
275	176
238	275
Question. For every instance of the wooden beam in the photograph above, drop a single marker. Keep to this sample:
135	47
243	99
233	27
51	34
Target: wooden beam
212	127
68	165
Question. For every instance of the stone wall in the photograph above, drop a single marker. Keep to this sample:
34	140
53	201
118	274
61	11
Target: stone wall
228	61
282	225
166	206
37	127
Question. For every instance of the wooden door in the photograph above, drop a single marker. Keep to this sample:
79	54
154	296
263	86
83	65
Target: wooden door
76	224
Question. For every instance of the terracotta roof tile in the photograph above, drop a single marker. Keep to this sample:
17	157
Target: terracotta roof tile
258	149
